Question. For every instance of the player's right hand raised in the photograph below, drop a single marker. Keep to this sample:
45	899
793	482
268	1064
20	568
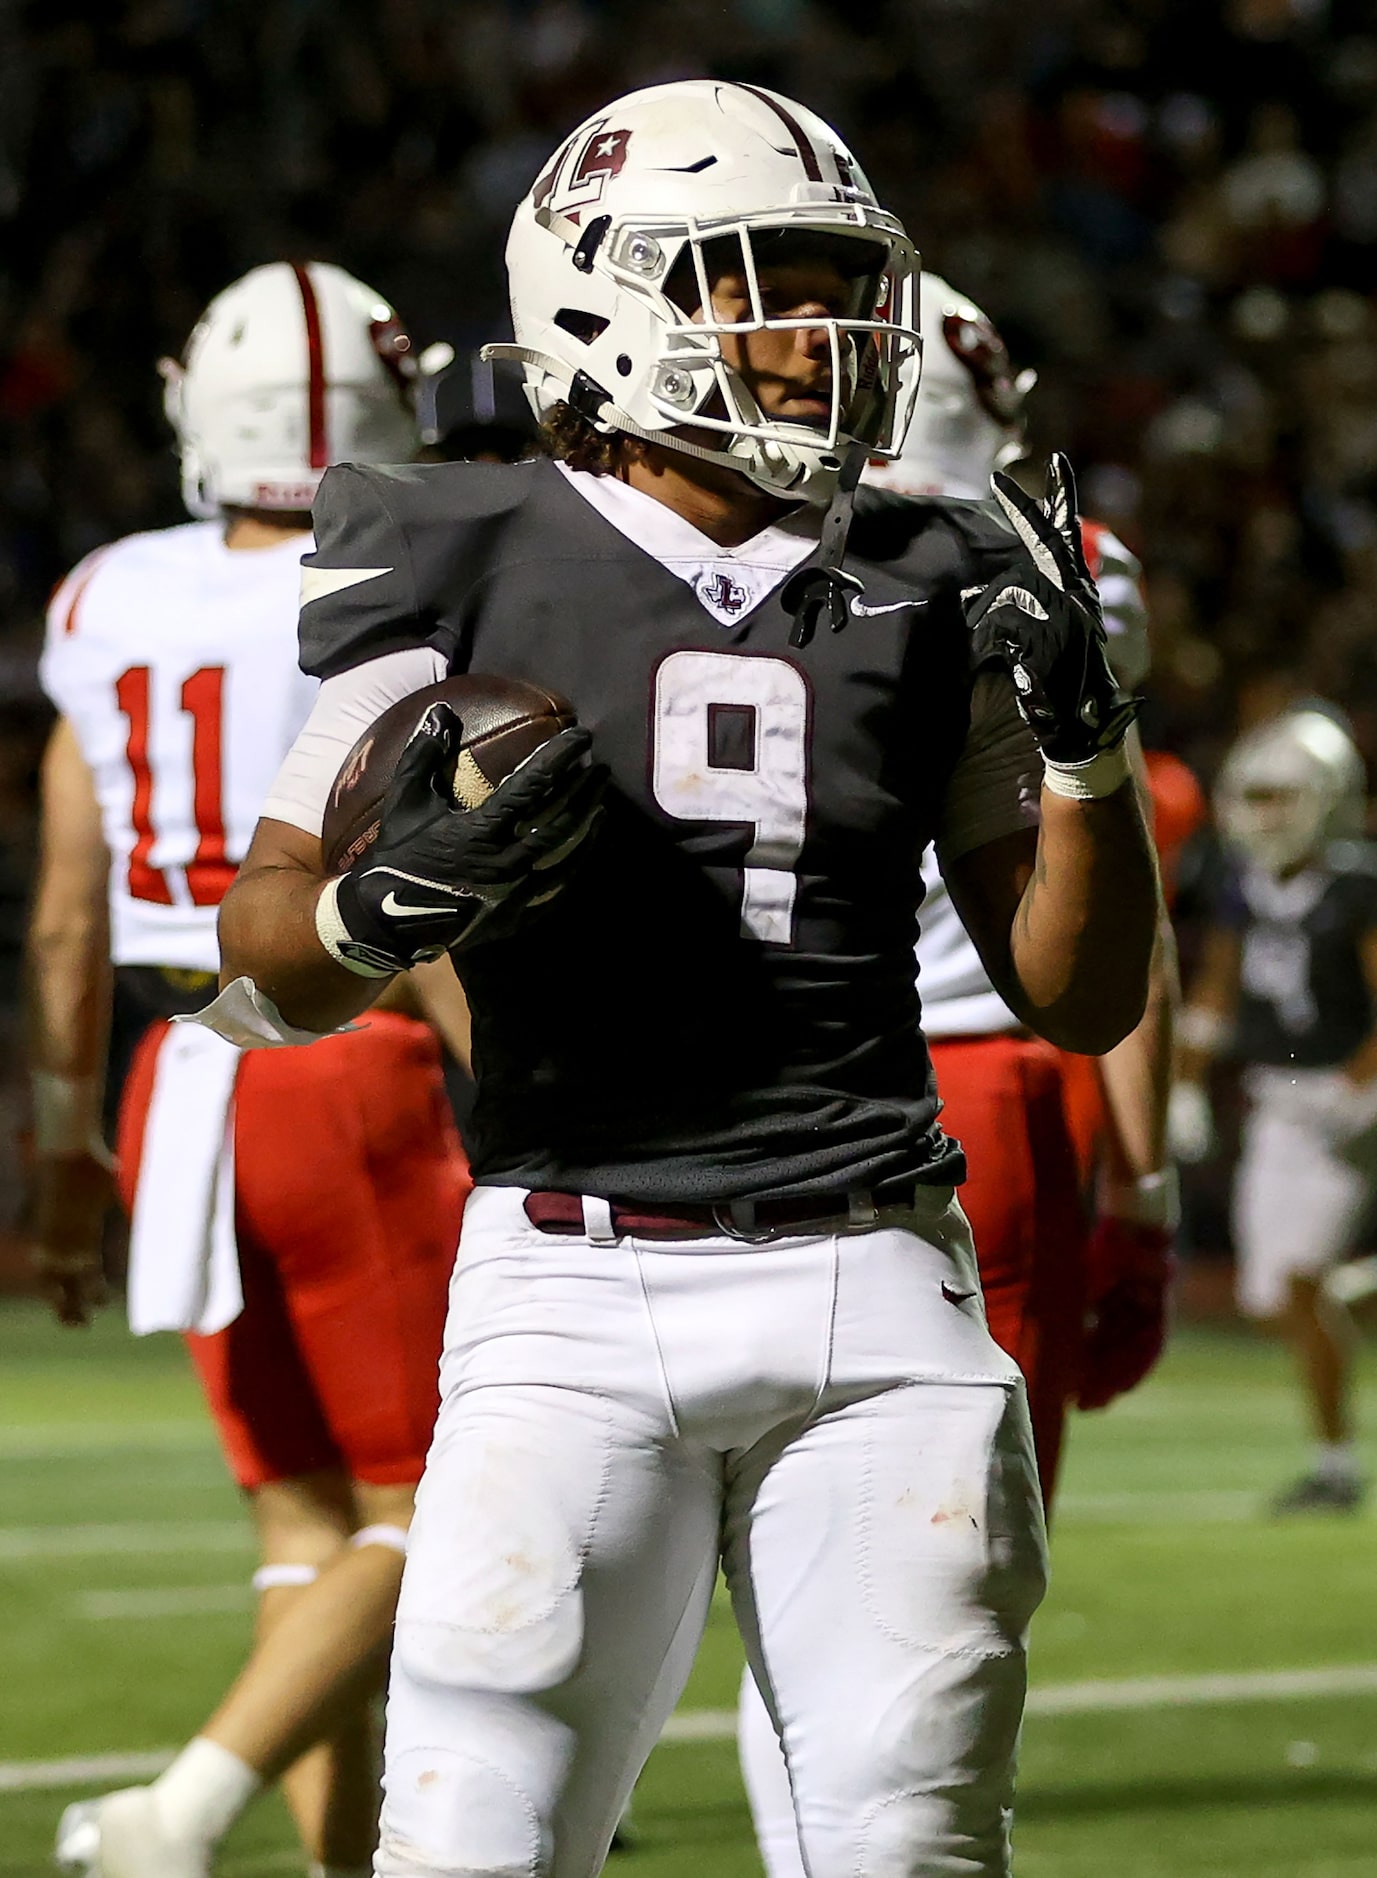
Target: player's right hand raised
437	872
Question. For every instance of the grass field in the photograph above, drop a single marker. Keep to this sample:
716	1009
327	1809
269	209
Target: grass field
1166	1738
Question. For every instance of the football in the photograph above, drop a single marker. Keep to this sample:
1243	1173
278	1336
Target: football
504	720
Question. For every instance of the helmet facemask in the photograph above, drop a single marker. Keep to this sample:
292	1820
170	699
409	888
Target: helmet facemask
651	366
693	386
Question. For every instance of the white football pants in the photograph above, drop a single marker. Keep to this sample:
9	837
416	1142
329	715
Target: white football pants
829	1416
1297	1203
765	1773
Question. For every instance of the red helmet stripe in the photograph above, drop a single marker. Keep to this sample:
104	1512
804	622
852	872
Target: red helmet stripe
804	150
315	369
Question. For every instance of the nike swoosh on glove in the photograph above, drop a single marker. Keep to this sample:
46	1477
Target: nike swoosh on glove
1130	1269
1045	622
437	873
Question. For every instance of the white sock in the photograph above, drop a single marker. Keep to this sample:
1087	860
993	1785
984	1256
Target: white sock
1336	1460
204	1792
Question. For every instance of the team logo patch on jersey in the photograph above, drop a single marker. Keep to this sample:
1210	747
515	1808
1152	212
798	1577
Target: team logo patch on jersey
722	594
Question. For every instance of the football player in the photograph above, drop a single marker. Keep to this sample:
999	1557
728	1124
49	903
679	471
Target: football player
1288	984
1022	1197
305	1243
1004	1091
715	1297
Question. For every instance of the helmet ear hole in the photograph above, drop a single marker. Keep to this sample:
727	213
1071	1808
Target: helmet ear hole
585	327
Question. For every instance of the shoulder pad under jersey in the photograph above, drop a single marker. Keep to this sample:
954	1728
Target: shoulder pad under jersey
948	545
932	538
395	547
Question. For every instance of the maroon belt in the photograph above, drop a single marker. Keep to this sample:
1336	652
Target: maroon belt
737	1219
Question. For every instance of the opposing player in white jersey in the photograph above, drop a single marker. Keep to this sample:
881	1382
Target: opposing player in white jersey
999	1084
1004	1090
261	1224
1287	985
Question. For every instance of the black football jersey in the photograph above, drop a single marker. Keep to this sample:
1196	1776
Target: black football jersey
721	1004
1304	999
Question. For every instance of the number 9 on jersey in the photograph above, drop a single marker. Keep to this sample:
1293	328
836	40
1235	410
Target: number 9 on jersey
731	745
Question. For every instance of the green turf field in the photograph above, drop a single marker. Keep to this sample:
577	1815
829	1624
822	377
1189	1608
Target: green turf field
1164	1741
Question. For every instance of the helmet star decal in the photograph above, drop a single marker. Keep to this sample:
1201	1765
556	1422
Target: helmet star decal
601	156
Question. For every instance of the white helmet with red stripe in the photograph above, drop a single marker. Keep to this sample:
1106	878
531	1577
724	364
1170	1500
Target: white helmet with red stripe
611	253
294	367
968	420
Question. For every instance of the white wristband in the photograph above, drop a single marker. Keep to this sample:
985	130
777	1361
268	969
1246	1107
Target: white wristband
332	933
66	1112
1151	1200
1088	782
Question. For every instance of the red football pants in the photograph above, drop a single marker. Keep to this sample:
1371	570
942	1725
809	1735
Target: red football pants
350	1183
1002	1099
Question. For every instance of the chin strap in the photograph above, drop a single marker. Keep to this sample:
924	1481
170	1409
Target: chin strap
588	398
824	582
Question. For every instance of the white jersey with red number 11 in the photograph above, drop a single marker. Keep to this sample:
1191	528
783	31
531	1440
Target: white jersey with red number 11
174	660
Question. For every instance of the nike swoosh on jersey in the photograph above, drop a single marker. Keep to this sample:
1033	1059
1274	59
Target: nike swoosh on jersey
398	909
862	611
319	582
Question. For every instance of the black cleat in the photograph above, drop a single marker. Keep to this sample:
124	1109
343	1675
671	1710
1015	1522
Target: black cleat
1321	1493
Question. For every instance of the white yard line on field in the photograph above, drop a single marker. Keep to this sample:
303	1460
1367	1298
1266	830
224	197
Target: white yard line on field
170	1601
82	1770
719	1724
1170	1507
18	1543
66	1441
130	1536
1266	1685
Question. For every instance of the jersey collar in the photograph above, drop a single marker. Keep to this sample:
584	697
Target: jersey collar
729	583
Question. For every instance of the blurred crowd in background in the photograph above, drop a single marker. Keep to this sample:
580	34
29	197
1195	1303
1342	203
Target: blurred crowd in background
1169	208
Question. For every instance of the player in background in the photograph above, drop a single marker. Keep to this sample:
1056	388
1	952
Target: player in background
1081	1312
1023	1194
1287	985
294	1212
714	1296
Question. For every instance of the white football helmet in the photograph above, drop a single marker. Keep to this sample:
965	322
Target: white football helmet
1289	786
968	420
294	367
618	225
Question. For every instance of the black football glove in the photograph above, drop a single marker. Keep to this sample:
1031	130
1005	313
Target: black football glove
437	873
1045	622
